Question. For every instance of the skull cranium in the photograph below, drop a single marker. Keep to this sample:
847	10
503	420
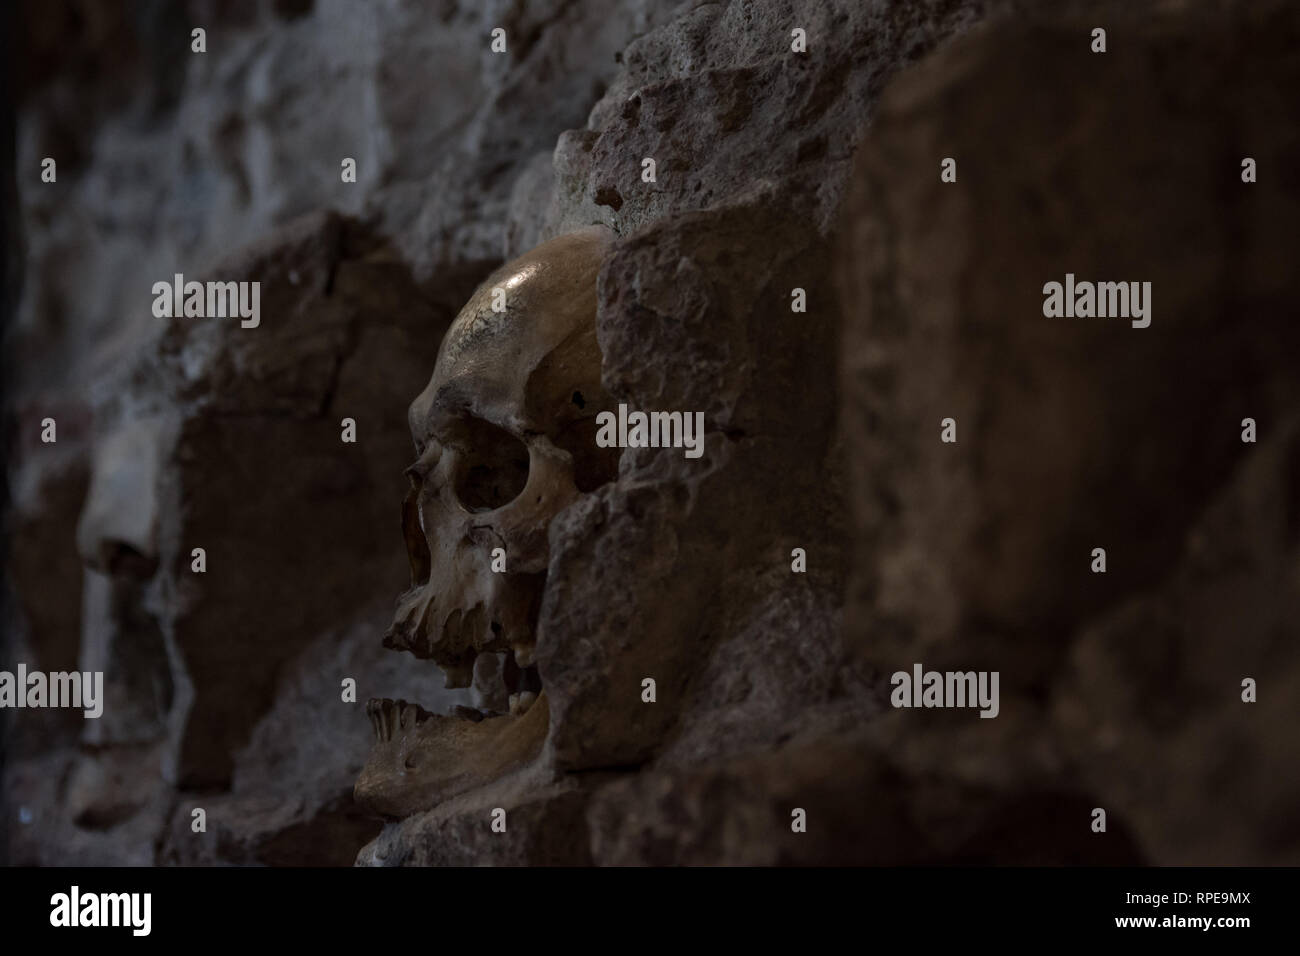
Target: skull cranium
505	439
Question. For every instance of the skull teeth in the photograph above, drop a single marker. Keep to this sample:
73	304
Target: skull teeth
391	718
519	703
388	717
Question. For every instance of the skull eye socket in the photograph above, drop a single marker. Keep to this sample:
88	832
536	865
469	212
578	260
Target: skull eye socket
493	469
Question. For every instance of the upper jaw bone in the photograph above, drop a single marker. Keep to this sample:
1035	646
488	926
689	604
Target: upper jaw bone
410	623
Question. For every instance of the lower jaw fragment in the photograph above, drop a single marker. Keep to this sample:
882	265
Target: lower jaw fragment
421	759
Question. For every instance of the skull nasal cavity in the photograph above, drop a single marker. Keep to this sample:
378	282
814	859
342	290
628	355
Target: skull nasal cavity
493	469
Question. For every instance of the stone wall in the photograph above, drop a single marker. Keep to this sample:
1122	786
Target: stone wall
775	170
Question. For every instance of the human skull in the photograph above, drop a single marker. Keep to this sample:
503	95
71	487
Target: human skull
505	440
